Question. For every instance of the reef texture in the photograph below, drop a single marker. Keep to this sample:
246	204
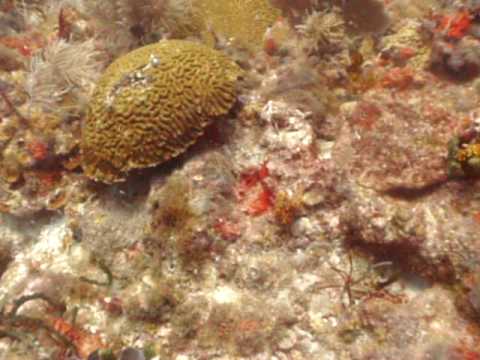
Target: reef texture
242	23
332	213
153	103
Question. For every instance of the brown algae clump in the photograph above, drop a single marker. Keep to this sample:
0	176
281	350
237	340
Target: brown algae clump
243	22
151	104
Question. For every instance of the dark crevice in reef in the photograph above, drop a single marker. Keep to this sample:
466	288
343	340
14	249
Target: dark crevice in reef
414	193
405	255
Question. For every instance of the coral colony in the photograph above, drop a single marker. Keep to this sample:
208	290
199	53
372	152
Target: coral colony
239	179
152	103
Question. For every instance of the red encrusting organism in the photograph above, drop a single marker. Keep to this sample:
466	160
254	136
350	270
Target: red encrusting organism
455	26
38	149
263	201
228	230
255	191
84	341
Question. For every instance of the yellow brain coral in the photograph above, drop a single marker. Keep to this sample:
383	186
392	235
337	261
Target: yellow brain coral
242	21
152	103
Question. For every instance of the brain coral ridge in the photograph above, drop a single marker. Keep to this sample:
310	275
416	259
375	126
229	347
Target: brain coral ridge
242	21
151	104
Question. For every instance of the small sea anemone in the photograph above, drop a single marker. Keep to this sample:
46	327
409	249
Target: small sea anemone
322	32
62	75
122	25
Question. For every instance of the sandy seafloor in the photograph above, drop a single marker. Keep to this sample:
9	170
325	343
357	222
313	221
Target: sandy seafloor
331	214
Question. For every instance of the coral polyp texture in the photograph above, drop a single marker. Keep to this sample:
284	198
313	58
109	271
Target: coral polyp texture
243	22
151	104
